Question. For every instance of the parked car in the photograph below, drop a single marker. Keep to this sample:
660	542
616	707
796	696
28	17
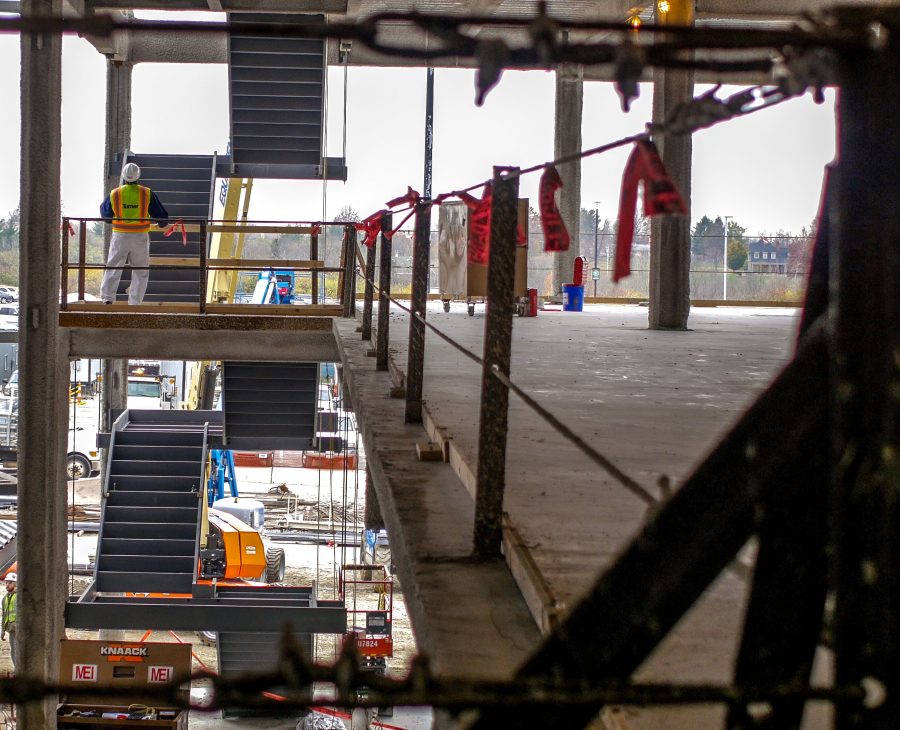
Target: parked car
11	386
9	317
8	294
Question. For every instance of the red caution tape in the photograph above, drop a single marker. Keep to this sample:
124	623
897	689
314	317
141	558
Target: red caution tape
556	237
314	231
177	226
660	196
371	227
69	224
480	225
411	198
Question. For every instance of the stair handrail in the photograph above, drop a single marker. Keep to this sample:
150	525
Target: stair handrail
201	505
118	425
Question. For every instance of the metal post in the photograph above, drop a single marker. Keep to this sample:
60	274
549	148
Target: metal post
384	294
203	272
349	291
865	281
415	364
369	293
429	132
500	308
82	258
64	273
314	274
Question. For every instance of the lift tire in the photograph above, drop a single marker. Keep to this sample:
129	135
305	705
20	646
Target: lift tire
471	310
77	467
275	564
207	638
446	305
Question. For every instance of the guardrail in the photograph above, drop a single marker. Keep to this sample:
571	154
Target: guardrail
209	299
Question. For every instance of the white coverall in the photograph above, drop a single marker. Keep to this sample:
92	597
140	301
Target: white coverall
127	248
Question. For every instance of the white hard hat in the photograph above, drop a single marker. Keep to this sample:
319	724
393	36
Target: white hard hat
131	173
12	578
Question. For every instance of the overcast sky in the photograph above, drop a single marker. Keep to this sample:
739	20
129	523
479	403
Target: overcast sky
764	170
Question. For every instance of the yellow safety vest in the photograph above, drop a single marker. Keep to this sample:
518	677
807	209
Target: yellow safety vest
130	203
9	610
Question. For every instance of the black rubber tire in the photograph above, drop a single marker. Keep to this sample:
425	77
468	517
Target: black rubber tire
78	467
207	638
446	305
275	564
471	310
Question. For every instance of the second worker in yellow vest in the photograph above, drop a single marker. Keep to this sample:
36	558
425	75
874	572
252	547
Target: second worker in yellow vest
130	208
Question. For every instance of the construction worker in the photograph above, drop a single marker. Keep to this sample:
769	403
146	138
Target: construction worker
9	615
129	208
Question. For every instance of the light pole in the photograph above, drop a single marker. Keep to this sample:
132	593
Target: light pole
596	239
725	260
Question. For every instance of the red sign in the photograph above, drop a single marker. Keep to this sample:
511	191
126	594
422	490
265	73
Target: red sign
84	672
160	675
375	645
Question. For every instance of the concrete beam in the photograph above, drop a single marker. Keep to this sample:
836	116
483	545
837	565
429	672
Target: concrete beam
186	344
567	141
670	236
470	618
41	459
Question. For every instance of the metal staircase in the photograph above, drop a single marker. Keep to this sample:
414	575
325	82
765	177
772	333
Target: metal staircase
269	405
277	110
184	184
151	507
239	652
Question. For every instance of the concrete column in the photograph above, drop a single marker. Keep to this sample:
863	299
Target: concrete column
41	458
373	519
670	236
567	141
118	139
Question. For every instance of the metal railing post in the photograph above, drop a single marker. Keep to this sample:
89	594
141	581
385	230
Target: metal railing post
492	428
64	277
203	272
368	292
415	364
384	302
349	293
82	257
314	274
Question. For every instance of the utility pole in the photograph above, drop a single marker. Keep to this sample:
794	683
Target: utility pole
596	241
725	261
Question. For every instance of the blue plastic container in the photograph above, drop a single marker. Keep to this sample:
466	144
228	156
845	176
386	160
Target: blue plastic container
573	298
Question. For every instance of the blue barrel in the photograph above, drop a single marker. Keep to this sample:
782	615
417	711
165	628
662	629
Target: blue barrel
573	298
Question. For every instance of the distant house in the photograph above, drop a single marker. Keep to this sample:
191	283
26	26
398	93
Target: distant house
766	257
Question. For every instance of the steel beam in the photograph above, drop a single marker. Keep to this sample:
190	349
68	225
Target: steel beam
865	392
500	308
415	363
678	554
787	600
209	614
384	294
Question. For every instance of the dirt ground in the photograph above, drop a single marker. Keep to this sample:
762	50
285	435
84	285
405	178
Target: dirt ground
305	564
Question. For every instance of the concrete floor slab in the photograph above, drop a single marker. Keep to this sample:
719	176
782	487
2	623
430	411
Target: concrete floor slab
654	402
